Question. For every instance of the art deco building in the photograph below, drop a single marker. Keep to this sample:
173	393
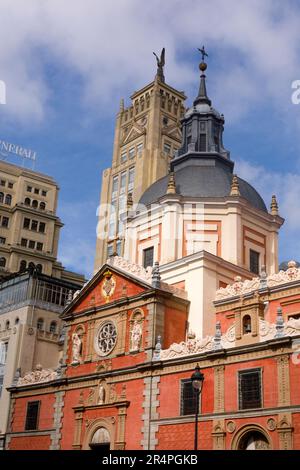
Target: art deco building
147	133
29	226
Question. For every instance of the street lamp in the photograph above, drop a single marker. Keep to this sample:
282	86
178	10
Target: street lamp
197	382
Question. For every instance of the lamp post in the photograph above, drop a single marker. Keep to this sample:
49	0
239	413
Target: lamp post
197	382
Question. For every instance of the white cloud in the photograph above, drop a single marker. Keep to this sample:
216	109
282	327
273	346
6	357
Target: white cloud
253	45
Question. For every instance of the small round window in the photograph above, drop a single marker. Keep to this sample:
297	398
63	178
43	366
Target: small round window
106	338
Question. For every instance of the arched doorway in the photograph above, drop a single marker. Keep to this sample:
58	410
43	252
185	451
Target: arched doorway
100	441
251	438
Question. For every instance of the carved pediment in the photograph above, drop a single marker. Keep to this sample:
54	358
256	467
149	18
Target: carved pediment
173	131
133	132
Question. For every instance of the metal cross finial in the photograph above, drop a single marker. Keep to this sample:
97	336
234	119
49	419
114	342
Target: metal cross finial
202	51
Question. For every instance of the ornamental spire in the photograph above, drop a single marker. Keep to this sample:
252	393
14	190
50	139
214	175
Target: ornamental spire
274	205
171	183
235	188
202	94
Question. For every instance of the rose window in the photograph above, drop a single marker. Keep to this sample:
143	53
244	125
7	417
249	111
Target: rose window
107	338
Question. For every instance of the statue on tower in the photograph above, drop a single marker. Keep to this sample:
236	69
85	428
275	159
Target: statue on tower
160	65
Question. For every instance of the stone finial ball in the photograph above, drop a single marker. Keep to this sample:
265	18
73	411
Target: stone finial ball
202	66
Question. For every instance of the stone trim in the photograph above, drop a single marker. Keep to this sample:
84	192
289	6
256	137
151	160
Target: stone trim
219	389
150	405
285	431
57	420
283	377
12	403
218	435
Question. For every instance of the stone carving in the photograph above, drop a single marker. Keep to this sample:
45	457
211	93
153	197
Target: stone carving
131	268
101	394
241	288
76	348
104	366
186	348
292	327
228	339
271	424
108	286
231	426
136	336
112	393
266	330
37	376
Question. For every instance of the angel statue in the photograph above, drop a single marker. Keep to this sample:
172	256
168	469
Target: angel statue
160	65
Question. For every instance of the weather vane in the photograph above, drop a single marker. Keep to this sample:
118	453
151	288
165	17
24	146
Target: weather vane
203	52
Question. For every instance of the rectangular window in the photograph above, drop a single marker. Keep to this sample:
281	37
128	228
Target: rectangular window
130	179
2	240
167	149
44	193
36	191
148	256
42	227
123	182
110	249
202	143
123	157
24	242
250	389
131	152
188	400
1	383
34	225
3	352
118	247
10	185
139	148
32	415
115	187
5	221
254	261
26	223
29	189
111	228
31	244
2	182
39	246
122	203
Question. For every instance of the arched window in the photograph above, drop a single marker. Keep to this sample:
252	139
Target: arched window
40	324
7	325
2	262
53	326
17	320
246	324
35	204
42	206
23	265
39	268
100	440
27	201
1	197
254	441
8	199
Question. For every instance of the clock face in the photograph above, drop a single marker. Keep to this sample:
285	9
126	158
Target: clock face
106	338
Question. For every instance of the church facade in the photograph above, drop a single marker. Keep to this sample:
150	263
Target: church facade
197	285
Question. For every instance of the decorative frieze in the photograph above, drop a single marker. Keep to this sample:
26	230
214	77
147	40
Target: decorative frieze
219	389
39	375
283	377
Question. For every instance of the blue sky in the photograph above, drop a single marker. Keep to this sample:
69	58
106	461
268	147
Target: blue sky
67	64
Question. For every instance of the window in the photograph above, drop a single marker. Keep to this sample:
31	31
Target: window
39	268
27	201
8	199
35	204
40	324
23	265
5	221
130	179
42	227
139	148
24	241
1	197
131	152
122	203
32	415
250	389
2	262
29	189
202	143
53	326
39	246
1	383
31	244
167	149
2	240
7	325
246	324
3	352
188	398
111	228
36	191
10	185
17	321
115	187
110	249
118	247
123	182
123	157
42	206
148	255
254	262
44	193
2	182
34	225
26	223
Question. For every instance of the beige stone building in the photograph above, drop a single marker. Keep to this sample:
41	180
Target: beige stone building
29	226
147	133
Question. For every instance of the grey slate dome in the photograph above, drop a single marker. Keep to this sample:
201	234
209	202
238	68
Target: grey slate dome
203	182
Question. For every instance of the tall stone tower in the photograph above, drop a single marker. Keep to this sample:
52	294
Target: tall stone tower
147	134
